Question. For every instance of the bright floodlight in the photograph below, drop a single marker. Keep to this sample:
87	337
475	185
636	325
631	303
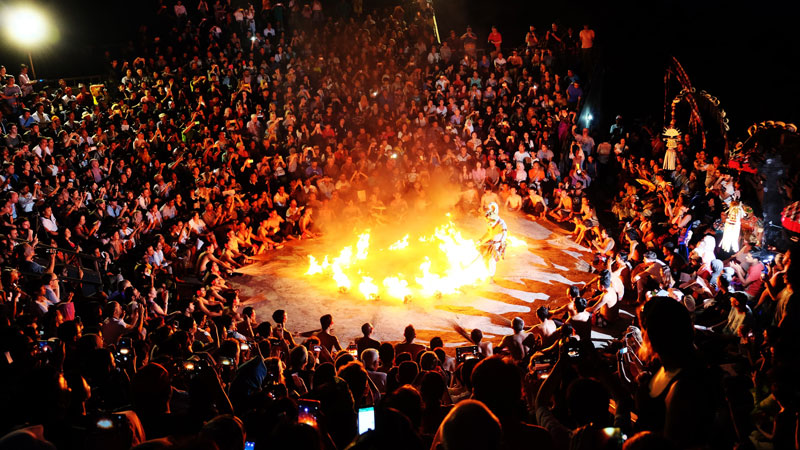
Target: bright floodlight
26	25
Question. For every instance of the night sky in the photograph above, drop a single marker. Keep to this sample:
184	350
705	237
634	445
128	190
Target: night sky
742	53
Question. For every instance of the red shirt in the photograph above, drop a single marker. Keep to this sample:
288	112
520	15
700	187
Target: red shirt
495	38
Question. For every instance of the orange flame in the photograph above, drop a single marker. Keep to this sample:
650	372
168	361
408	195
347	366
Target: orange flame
426	266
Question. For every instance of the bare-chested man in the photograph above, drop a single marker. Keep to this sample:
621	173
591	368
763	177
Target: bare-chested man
514	201
326	338
518	344
208	257
546	329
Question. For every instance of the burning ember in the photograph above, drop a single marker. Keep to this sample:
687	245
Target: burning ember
413	266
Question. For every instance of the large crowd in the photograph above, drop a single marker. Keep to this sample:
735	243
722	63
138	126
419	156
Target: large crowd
228	131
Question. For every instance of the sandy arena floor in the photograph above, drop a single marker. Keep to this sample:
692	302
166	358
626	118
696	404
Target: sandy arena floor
526	279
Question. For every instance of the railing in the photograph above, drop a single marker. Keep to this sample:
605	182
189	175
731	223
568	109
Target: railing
80	256
88	79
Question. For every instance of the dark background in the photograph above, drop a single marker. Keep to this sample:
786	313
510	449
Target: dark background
743	53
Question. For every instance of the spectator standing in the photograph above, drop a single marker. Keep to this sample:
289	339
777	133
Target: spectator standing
495	39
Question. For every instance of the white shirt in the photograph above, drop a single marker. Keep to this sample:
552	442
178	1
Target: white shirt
198	225
41	152
25	83
157	258
44	119
280	199
66	98
168	212
144	202
155	218
26	202
50	223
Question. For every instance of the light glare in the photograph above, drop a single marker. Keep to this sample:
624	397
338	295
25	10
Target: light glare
26	25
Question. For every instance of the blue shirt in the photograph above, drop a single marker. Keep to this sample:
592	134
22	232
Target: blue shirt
574	93
310	171
26	122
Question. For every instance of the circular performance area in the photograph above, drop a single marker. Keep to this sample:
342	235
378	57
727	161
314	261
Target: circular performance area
539	265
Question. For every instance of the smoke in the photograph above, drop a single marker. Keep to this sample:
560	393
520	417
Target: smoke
425	204
408	246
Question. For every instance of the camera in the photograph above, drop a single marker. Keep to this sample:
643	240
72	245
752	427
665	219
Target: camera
542	371
225	361
107	422
123	355
192	367
308	412
615	434
43	347
466	352
227	368
366	419
273	371
573	347
353	350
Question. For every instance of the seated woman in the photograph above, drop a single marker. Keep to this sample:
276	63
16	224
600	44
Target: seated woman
84	232
64	241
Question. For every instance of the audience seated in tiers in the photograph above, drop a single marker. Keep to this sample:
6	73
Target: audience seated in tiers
227	131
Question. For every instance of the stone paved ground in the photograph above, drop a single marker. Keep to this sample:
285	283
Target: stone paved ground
537	273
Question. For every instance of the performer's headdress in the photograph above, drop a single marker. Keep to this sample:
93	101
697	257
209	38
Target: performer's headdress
491	210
